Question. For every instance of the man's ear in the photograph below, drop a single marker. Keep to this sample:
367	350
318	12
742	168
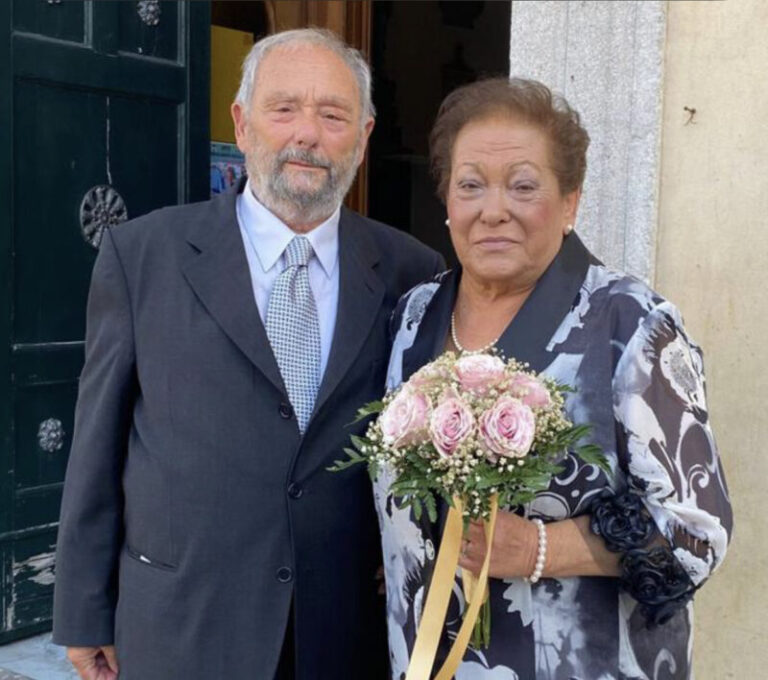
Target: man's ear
366	133
240	120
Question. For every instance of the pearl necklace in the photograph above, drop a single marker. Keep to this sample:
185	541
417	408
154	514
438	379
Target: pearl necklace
459	346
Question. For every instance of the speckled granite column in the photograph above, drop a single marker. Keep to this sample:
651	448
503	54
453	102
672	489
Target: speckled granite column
607	58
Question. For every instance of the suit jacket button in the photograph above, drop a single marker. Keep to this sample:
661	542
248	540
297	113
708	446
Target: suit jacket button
284	575
285	410
295	491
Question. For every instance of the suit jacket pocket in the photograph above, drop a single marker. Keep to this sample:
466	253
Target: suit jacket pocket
147	513
139	556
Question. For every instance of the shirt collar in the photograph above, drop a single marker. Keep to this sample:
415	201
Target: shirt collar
270	236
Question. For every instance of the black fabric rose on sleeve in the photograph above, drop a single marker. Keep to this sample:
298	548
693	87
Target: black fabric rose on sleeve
650	575
657	581
622	520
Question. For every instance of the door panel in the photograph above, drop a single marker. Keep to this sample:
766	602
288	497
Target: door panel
103	116
58	156
145	37
141	131
65	21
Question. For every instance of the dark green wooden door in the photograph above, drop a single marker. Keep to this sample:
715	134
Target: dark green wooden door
103	116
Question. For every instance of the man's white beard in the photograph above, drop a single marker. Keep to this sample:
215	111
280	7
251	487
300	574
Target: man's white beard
300	199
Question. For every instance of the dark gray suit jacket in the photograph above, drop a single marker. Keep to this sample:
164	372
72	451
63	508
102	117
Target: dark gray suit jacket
193	511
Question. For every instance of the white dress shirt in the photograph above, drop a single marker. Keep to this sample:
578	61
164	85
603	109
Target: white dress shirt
266	237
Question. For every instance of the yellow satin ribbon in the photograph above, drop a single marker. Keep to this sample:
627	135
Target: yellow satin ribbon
436	607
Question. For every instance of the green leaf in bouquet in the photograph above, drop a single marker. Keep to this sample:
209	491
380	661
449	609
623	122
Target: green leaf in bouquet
416	505
592	454
353	459
429	501
359	442
370	409
579	432
488	480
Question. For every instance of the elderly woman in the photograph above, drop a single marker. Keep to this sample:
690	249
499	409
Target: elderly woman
610	597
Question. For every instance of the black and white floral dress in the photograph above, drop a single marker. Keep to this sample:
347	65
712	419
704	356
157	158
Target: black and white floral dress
639	382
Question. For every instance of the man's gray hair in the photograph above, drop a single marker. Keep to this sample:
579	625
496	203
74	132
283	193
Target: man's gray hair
308	36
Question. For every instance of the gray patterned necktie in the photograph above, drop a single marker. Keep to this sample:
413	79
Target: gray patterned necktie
293	330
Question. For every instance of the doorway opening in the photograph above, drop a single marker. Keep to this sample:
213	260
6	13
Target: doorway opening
421	51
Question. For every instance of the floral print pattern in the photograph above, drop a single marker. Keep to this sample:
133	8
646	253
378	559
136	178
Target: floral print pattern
639	381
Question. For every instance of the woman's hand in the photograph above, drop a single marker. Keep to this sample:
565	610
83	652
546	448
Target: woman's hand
572	549
515	547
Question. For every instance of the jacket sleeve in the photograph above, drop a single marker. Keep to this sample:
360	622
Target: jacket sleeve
90	528
668	452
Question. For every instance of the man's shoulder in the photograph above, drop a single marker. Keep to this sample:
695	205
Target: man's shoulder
167	224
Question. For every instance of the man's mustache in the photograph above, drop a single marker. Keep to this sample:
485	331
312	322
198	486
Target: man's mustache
307	157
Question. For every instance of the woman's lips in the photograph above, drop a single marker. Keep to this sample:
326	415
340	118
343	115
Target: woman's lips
496	243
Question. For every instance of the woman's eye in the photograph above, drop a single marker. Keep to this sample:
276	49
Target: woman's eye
525	187
468	185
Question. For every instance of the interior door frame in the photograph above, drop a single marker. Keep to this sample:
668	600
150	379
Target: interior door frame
351	20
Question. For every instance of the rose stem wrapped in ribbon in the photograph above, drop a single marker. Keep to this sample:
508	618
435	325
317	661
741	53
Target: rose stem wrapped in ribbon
480	433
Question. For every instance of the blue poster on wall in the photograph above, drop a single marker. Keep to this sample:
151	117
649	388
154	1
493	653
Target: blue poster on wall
227	166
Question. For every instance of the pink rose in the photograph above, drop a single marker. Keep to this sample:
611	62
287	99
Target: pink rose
478	373
428	375
404	420
450	424
508	427
531	391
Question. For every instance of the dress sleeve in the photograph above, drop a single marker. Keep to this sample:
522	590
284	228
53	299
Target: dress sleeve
668	453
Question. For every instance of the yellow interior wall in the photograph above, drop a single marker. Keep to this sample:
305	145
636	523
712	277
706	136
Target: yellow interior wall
712	261
228	49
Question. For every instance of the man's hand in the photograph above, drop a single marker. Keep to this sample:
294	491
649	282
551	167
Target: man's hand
94	663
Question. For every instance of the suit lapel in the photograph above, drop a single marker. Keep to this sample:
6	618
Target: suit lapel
361	292
526	338
218	273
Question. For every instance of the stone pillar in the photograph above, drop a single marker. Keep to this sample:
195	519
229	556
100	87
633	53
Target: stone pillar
607	58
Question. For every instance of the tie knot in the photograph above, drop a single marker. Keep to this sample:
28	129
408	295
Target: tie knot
298	252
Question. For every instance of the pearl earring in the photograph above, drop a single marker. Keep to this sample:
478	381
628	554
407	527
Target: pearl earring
568	229
447	222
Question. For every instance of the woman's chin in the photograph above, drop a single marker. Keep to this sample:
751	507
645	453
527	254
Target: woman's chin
494	268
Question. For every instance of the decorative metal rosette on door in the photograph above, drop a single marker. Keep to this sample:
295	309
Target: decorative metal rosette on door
149	11
101	207
50	435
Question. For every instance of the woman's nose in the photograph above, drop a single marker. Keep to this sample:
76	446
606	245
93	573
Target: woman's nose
495	210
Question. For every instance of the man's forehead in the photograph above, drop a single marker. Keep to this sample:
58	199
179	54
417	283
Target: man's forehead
298	58
310	92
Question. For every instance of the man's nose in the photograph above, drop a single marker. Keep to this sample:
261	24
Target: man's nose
307	131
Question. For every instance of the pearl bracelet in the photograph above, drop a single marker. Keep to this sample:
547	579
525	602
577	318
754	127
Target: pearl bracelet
541	555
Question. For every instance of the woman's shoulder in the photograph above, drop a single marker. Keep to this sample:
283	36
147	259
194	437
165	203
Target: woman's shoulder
620	304
413	304
621	294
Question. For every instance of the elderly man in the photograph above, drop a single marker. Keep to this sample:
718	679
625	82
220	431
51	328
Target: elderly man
229	345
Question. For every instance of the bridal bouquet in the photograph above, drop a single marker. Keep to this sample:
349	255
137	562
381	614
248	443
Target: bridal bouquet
479	432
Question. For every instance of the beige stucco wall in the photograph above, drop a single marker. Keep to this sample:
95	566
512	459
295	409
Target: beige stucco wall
712	260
